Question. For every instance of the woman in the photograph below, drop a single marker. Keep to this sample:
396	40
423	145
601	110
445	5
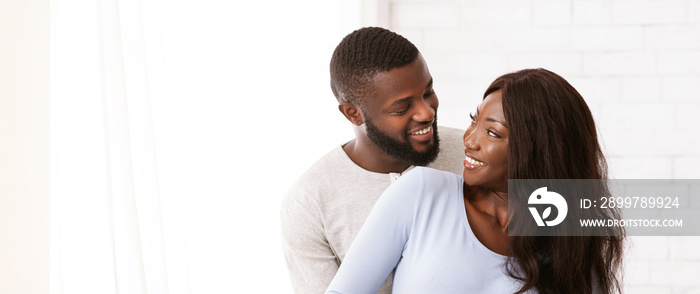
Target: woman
448	234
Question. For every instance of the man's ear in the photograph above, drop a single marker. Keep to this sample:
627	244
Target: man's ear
351	112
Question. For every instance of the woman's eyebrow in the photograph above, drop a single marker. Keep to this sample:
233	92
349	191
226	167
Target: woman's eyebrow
489	119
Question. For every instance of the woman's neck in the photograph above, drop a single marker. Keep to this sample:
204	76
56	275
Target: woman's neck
487	213
489	203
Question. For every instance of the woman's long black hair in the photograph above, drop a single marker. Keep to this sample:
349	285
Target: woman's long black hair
553	136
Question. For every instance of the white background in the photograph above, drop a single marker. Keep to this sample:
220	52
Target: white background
248	109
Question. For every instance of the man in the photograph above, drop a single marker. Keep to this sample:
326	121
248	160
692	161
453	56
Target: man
385	90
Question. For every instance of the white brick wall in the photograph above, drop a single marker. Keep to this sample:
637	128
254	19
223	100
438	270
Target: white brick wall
641	89
619	63
694	11
659	38
591	12
636	62
640	12
551	12
679	62
607	39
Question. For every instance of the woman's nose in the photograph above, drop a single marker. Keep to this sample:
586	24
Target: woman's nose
470	141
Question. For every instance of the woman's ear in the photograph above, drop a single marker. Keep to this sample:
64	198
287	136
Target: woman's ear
351	112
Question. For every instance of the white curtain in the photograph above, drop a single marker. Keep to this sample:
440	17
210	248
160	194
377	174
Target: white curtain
107	214
176	128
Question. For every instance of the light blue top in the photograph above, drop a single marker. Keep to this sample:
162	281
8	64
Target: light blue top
419	226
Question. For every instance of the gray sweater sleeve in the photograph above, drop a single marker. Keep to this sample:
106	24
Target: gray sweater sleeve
310	260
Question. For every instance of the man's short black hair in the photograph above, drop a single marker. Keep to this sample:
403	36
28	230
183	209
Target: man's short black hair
361	55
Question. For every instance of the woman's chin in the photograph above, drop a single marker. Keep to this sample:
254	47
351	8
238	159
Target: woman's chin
471	182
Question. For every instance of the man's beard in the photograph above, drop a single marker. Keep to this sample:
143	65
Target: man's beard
403	150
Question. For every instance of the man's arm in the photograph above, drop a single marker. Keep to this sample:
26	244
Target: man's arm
311	261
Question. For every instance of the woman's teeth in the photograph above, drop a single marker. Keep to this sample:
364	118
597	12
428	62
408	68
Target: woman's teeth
474	161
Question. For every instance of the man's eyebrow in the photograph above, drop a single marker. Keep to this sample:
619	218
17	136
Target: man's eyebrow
406	99
401	101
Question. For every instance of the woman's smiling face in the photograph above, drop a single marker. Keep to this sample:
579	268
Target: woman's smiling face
486	146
